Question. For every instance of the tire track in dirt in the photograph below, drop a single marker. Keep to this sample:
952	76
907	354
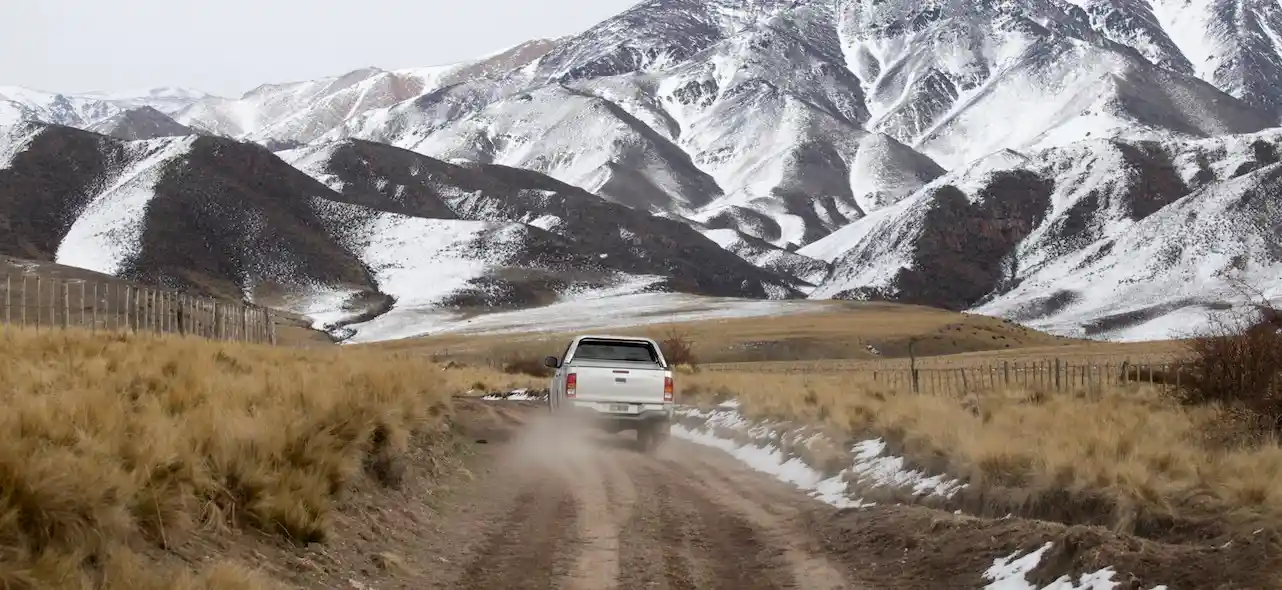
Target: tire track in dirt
681	537
768	507
606	497
522	552
587	511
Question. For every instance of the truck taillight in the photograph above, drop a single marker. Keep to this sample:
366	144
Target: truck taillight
570	382
667	389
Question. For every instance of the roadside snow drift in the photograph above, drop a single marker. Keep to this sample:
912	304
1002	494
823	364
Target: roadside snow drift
723	426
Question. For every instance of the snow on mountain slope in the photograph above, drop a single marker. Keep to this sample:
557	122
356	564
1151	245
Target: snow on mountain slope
759	130
769	257
206	214
420	262
1177	262
755	115
625	239
109	229
435	268
19	104
301	111
214	215
942	76
1100	238
14	140
167	100
545	131
140	123
88	109
1234	44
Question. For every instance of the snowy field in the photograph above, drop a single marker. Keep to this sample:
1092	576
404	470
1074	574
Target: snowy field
595	310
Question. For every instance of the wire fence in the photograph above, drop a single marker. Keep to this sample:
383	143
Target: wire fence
50	303
935	375
1045	375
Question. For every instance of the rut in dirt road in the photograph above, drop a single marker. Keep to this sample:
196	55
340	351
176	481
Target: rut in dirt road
587	511
543	514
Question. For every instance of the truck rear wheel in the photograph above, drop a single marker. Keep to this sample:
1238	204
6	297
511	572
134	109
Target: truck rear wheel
651	434
645	438
662	432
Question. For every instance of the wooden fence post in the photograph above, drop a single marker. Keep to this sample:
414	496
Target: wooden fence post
8	290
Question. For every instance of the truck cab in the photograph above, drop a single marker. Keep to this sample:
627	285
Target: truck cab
617	383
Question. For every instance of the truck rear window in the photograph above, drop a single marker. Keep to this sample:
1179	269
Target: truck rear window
613	350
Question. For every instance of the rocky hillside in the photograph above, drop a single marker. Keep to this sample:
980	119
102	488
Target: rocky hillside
141	123
786	121
399	231
1124	239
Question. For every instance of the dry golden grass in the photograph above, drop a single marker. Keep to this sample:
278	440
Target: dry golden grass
834	339
114	440
1121	456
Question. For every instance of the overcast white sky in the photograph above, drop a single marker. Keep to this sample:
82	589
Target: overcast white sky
230	46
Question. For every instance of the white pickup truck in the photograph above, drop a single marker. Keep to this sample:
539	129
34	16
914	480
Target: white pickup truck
618	382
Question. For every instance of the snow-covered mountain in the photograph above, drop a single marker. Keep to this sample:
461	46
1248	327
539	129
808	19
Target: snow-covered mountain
632	241
141	123
936	151
86	110
398	233
1129	240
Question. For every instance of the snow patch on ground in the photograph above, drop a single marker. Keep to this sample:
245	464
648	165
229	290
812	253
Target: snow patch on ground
1008	573
624	305
516	395
326	307
766	453
871	468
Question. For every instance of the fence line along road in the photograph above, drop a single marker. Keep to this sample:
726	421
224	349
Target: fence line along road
1042	374
1047	375
46	303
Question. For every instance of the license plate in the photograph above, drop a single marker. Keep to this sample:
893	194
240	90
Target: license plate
619	407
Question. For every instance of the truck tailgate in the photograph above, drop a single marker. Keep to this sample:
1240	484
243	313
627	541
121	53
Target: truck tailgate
638	383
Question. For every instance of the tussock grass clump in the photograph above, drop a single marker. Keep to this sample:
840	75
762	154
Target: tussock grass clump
113	438
1125	457
527	365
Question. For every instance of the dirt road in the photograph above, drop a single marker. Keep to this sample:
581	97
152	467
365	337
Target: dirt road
545	506
570	508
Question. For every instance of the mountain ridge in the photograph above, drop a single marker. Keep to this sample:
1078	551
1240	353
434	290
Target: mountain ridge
825	149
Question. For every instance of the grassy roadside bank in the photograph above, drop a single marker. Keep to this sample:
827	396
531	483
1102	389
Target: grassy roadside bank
116	445
1125	457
